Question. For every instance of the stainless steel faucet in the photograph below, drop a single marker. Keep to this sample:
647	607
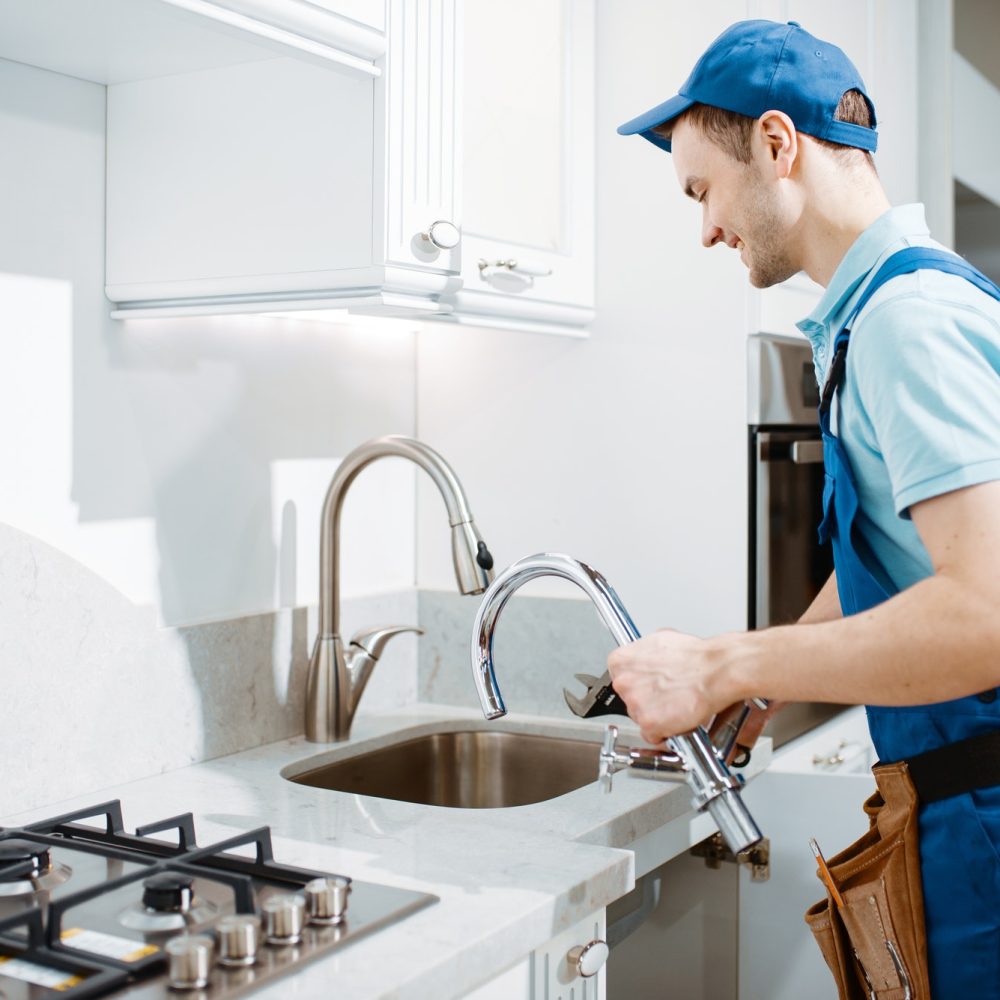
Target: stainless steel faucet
690	757
337	676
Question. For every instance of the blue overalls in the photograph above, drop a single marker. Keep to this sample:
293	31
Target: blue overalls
959	836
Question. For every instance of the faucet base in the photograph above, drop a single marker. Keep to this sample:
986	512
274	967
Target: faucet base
327	692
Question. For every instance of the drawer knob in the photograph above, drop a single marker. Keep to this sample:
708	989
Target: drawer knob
587	959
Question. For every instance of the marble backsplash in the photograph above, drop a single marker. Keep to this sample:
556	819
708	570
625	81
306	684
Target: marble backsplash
539	644
93	692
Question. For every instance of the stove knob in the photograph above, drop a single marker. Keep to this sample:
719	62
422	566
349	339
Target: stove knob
284	917
190	961
326	899
239	938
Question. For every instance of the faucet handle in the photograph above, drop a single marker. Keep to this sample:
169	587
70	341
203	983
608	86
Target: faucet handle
362	654
606	765
373	640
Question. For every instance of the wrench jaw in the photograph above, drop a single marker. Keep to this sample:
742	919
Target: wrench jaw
600	699
576	705
581	706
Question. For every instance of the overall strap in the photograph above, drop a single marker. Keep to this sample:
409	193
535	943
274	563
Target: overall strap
902	262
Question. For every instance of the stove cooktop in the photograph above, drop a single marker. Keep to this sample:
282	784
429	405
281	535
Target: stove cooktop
91	911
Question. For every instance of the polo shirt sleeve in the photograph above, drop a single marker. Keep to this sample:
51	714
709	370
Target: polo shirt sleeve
928	377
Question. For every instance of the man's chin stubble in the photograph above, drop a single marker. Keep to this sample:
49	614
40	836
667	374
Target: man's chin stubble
769	278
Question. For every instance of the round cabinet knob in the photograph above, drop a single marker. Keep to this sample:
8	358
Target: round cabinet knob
587	959
189	960
326	899
239	939
284	917
443	234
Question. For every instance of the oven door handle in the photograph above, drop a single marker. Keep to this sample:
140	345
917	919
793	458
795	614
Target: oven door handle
807	452
804	451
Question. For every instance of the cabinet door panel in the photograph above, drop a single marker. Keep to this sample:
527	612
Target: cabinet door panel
514	110
237	175
528	157
805	793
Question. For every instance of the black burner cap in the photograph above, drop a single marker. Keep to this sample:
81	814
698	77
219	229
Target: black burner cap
20	859
167	893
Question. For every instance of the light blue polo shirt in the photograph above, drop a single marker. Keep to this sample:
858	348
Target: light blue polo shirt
919	413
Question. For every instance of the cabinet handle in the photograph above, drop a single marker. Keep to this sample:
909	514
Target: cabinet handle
489	267
442	235
510	275
586	959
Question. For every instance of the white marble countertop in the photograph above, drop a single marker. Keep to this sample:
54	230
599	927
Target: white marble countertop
507	880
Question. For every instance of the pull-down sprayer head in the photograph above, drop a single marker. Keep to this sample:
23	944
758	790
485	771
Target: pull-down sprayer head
692	755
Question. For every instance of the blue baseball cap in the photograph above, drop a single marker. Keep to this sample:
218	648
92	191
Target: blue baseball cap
757	66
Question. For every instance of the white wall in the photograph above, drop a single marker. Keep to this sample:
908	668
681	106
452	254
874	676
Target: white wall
626	450
184	461
165	473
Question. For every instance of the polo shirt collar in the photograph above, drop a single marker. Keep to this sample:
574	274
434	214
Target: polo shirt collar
900	224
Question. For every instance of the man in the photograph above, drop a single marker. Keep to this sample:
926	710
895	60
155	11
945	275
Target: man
772	135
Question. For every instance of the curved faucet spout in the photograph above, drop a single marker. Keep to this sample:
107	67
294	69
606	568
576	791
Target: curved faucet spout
338	671
472	559
607	602
692	754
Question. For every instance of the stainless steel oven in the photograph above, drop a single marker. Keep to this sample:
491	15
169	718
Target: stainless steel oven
787	565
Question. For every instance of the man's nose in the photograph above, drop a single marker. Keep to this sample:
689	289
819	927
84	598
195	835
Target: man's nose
710	233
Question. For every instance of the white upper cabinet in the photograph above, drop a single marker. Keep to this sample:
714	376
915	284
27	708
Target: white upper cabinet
114	41
289	183
269	155
527	132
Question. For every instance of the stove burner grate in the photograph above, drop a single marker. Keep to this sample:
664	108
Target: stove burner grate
108	933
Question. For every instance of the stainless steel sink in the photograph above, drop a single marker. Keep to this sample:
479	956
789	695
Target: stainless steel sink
469	769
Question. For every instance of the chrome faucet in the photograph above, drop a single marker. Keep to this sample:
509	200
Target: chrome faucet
690	757
337	676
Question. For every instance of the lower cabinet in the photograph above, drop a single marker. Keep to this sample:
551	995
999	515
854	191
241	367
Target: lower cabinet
815	789
689	931
554	971
704	933
685	947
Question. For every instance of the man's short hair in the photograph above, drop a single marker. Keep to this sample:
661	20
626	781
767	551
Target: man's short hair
732	132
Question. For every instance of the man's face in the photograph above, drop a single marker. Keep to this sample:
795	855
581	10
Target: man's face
741	204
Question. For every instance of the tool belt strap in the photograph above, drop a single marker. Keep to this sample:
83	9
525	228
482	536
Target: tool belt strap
956	768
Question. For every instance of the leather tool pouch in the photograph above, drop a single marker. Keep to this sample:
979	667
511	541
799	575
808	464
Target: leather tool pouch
875	944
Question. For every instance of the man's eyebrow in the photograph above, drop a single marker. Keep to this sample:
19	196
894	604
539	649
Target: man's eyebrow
689	187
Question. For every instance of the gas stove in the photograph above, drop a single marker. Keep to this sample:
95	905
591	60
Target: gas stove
93	911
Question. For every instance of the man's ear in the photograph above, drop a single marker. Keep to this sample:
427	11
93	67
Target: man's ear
779	141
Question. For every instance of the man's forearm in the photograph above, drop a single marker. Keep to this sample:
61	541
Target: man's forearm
936	641
825	606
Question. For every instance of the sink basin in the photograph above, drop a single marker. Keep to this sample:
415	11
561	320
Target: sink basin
470	769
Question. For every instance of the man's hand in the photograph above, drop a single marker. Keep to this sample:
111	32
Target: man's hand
671	682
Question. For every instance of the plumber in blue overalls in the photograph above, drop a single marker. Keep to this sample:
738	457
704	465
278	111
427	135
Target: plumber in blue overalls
773	134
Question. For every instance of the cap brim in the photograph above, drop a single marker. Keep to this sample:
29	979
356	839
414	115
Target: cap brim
659	115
